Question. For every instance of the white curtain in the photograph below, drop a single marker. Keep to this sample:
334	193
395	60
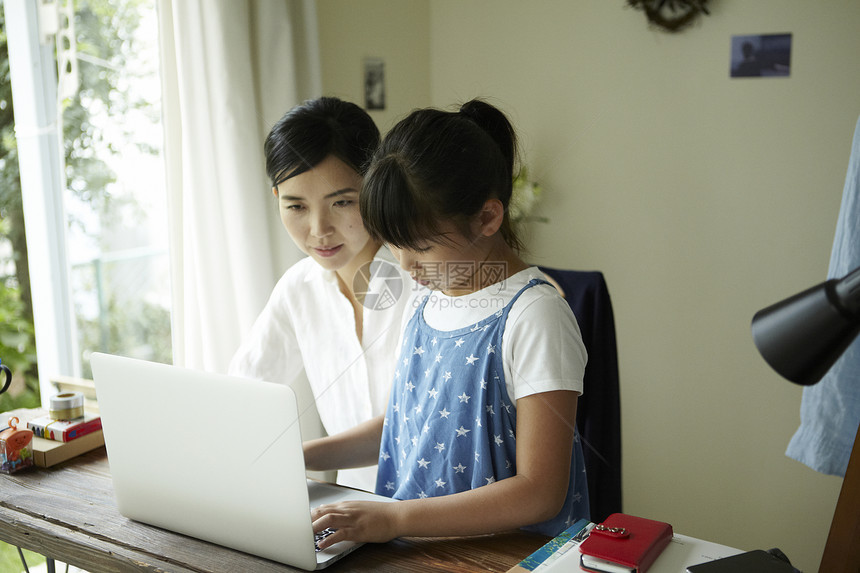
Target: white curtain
230	69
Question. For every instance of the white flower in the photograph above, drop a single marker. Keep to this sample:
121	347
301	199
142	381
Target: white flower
526	194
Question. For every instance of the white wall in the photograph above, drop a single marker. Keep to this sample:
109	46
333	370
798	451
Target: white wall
701	198
399	32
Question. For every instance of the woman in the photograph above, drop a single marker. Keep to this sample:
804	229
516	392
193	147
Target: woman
337	313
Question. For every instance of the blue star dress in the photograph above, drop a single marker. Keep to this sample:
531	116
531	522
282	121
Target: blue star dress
450	425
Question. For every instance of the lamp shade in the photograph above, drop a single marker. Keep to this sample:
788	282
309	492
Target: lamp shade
802	336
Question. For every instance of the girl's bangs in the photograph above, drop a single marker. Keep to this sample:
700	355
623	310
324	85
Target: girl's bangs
391	210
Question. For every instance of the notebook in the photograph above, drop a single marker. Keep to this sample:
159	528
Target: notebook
212	456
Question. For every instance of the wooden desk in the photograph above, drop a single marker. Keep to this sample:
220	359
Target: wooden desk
68	513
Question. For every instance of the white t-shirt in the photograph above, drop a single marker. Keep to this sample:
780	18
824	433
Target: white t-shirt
309	324
542	348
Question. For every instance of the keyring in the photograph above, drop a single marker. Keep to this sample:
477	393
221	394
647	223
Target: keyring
611	531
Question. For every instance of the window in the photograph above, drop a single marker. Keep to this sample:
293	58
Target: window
111	224
115	198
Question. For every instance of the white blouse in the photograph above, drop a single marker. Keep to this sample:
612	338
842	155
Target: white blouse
309	324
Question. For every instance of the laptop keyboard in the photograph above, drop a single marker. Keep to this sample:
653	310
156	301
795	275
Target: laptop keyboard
322	535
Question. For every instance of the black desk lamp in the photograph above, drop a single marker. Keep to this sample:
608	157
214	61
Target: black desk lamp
801	337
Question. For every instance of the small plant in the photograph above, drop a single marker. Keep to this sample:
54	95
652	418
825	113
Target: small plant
525	197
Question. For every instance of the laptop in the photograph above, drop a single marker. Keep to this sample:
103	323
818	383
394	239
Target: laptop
214	457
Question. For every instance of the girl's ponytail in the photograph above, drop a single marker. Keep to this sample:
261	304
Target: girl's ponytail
496	125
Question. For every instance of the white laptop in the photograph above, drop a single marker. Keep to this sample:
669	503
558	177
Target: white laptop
215	457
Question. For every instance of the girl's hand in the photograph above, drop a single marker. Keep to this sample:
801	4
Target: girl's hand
363	521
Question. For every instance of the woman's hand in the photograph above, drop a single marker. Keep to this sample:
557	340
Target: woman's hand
363	521
354	448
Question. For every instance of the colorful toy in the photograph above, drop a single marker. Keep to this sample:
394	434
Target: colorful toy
15	453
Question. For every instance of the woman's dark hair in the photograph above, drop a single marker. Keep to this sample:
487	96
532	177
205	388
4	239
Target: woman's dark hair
436	165
315	129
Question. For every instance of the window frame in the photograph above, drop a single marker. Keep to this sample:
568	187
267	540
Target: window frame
31	27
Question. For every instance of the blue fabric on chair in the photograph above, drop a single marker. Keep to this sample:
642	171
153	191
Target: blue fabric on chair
598	415
830	410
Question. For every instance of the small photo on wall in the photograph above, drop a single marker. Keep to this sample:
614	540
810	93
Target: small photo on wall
763	55
374	83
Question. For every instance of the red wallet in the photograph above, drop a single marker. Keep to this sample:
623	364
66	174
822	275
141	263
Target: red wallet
624	543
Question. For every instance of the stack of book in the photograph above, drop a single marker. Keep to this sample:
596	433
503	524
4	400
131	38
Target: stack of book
56	441
64	430
64	440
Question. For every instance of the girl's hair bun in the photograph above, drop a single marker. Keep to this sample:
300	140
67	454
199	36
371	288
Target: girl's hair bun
496	124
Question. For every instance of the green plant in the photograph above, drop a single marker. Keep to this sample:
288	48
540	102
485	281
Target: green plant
17	348
11	561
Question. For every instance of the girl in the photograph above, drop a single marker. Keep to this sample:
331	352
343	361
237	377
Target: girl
323	317
479	432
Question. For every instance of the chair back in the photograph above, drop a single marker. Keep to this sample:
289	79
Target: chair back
598	412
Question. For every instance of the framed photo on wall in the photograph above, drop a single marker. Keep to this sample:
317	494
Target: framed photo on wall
762	55
374	83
